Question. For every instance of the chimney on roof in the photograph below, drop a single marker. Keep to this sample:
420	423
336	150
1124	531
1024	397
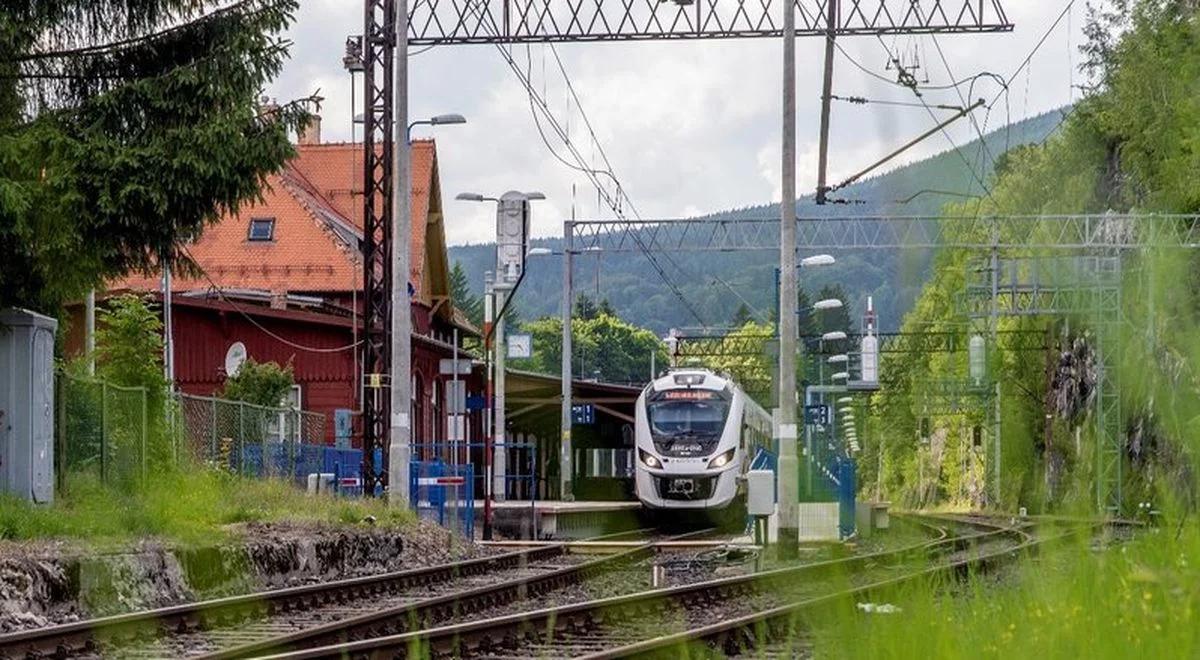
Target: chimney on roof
311	133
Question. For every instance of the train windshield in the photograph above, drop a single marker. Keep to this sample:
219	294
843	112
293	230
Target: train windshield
682	413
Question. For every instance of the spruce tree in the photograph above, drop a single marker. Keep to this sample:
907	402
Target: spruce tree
740	317
585	308
606	309
127	127
462	296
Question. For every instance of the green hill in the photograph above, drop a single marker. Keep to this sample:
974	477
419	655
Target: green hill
894	279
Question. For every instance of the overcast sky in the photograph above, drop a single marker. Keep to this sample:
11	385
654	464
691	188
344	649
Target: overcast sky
690	127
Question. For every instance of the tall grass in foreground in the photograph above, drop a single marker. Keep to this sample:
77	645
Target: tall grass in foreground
1137	599
189	506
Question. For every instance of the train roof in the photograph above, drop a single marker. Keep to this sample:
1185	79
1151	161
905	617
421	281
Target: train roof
704	379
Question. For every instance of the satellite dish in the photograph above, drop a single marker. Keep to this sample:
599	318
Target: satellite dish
234	357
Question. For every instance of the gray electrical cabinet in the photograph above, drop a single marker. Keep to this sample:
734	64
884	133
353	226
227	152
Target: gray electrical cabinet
27	405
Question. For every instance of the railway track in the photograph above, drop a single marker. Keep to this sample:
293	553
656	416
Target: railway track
632	625
244	626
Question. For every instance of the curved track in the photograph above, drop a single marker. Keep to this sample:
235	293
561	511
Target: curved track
632	625
244	626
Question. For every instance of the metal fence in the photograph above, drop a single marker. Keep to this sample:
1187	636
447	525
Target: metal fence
115	435
103	430
252	440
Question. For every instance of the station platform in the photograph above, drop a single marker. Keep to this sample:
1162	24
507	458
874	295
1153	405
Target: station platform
557	519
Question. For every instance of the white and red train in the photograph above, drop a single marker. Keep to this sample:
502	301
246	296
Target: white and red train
696	434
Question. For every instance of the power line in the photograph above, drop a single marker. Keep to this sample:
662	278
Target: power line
615	205
922	87
1040	42
216	288
860	100
592	173
984	152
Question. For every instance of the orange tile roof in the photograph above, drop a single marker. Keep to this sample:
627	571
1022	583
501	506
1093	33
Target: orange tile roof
316	201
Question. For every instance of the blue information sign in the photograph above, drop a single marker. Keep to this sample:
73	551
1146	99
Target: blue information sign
816	415
583	414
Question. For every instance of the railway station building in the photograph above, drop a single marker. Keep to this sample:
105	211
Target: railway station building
281	281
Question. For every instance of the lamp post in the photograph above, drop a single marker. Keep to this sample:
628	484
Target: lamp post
503	287
821	305
565	420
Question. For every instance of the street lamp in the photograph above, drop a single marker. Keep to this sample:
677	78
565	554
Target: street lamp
436	120
838	359
841	375
476	197
818	260
828	303
836	335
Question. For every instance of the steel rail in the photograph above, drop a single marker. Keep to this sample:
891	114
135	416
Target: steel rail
396	620
469	637
84	636
742	632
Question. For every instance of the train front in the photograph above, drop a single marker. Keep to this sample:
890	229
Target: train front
687	440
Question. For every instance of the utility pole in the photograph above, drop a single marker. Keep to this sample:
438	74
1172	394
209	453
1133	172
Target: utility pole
168	325
399	438
489	307
89	330
566	470
788	462
993	328
499	433
826	99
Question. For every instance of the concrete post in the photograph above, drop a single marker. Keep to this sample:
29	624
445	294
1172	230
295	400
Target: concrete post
399	438
788	462
566	473
168	326
89	330
499	435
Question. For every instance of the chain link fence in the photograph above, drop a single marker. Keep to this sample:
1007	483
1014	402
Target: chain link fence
111	434
252	440
103	431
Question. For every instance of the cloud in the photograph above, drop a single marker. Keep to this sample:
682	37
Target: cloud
689	127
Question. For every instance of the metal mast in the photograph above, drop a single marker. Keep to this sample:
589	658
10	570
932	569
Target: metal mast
378	57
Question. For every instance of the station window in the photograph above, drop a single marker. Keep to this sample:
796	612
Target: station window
262	229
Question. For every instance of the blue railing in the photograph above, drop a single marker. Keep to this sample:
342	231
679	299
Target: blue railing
297	461
444	493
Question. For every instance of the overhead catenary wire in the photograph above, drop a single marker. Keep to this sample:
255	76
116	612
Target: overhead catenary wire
537	103
920	98
984	151
621	194
861	100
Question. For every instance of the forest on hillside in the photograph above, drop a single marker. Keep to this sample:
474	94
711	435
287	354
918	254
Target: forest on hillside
1109	404
716	287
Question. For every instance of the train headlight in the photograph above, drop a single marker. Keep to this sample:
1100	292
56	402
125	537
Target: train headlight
722	460
649	460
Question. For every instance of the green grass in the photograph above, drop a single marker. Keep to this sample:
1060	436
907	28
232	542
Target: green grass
1138	599
188	507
